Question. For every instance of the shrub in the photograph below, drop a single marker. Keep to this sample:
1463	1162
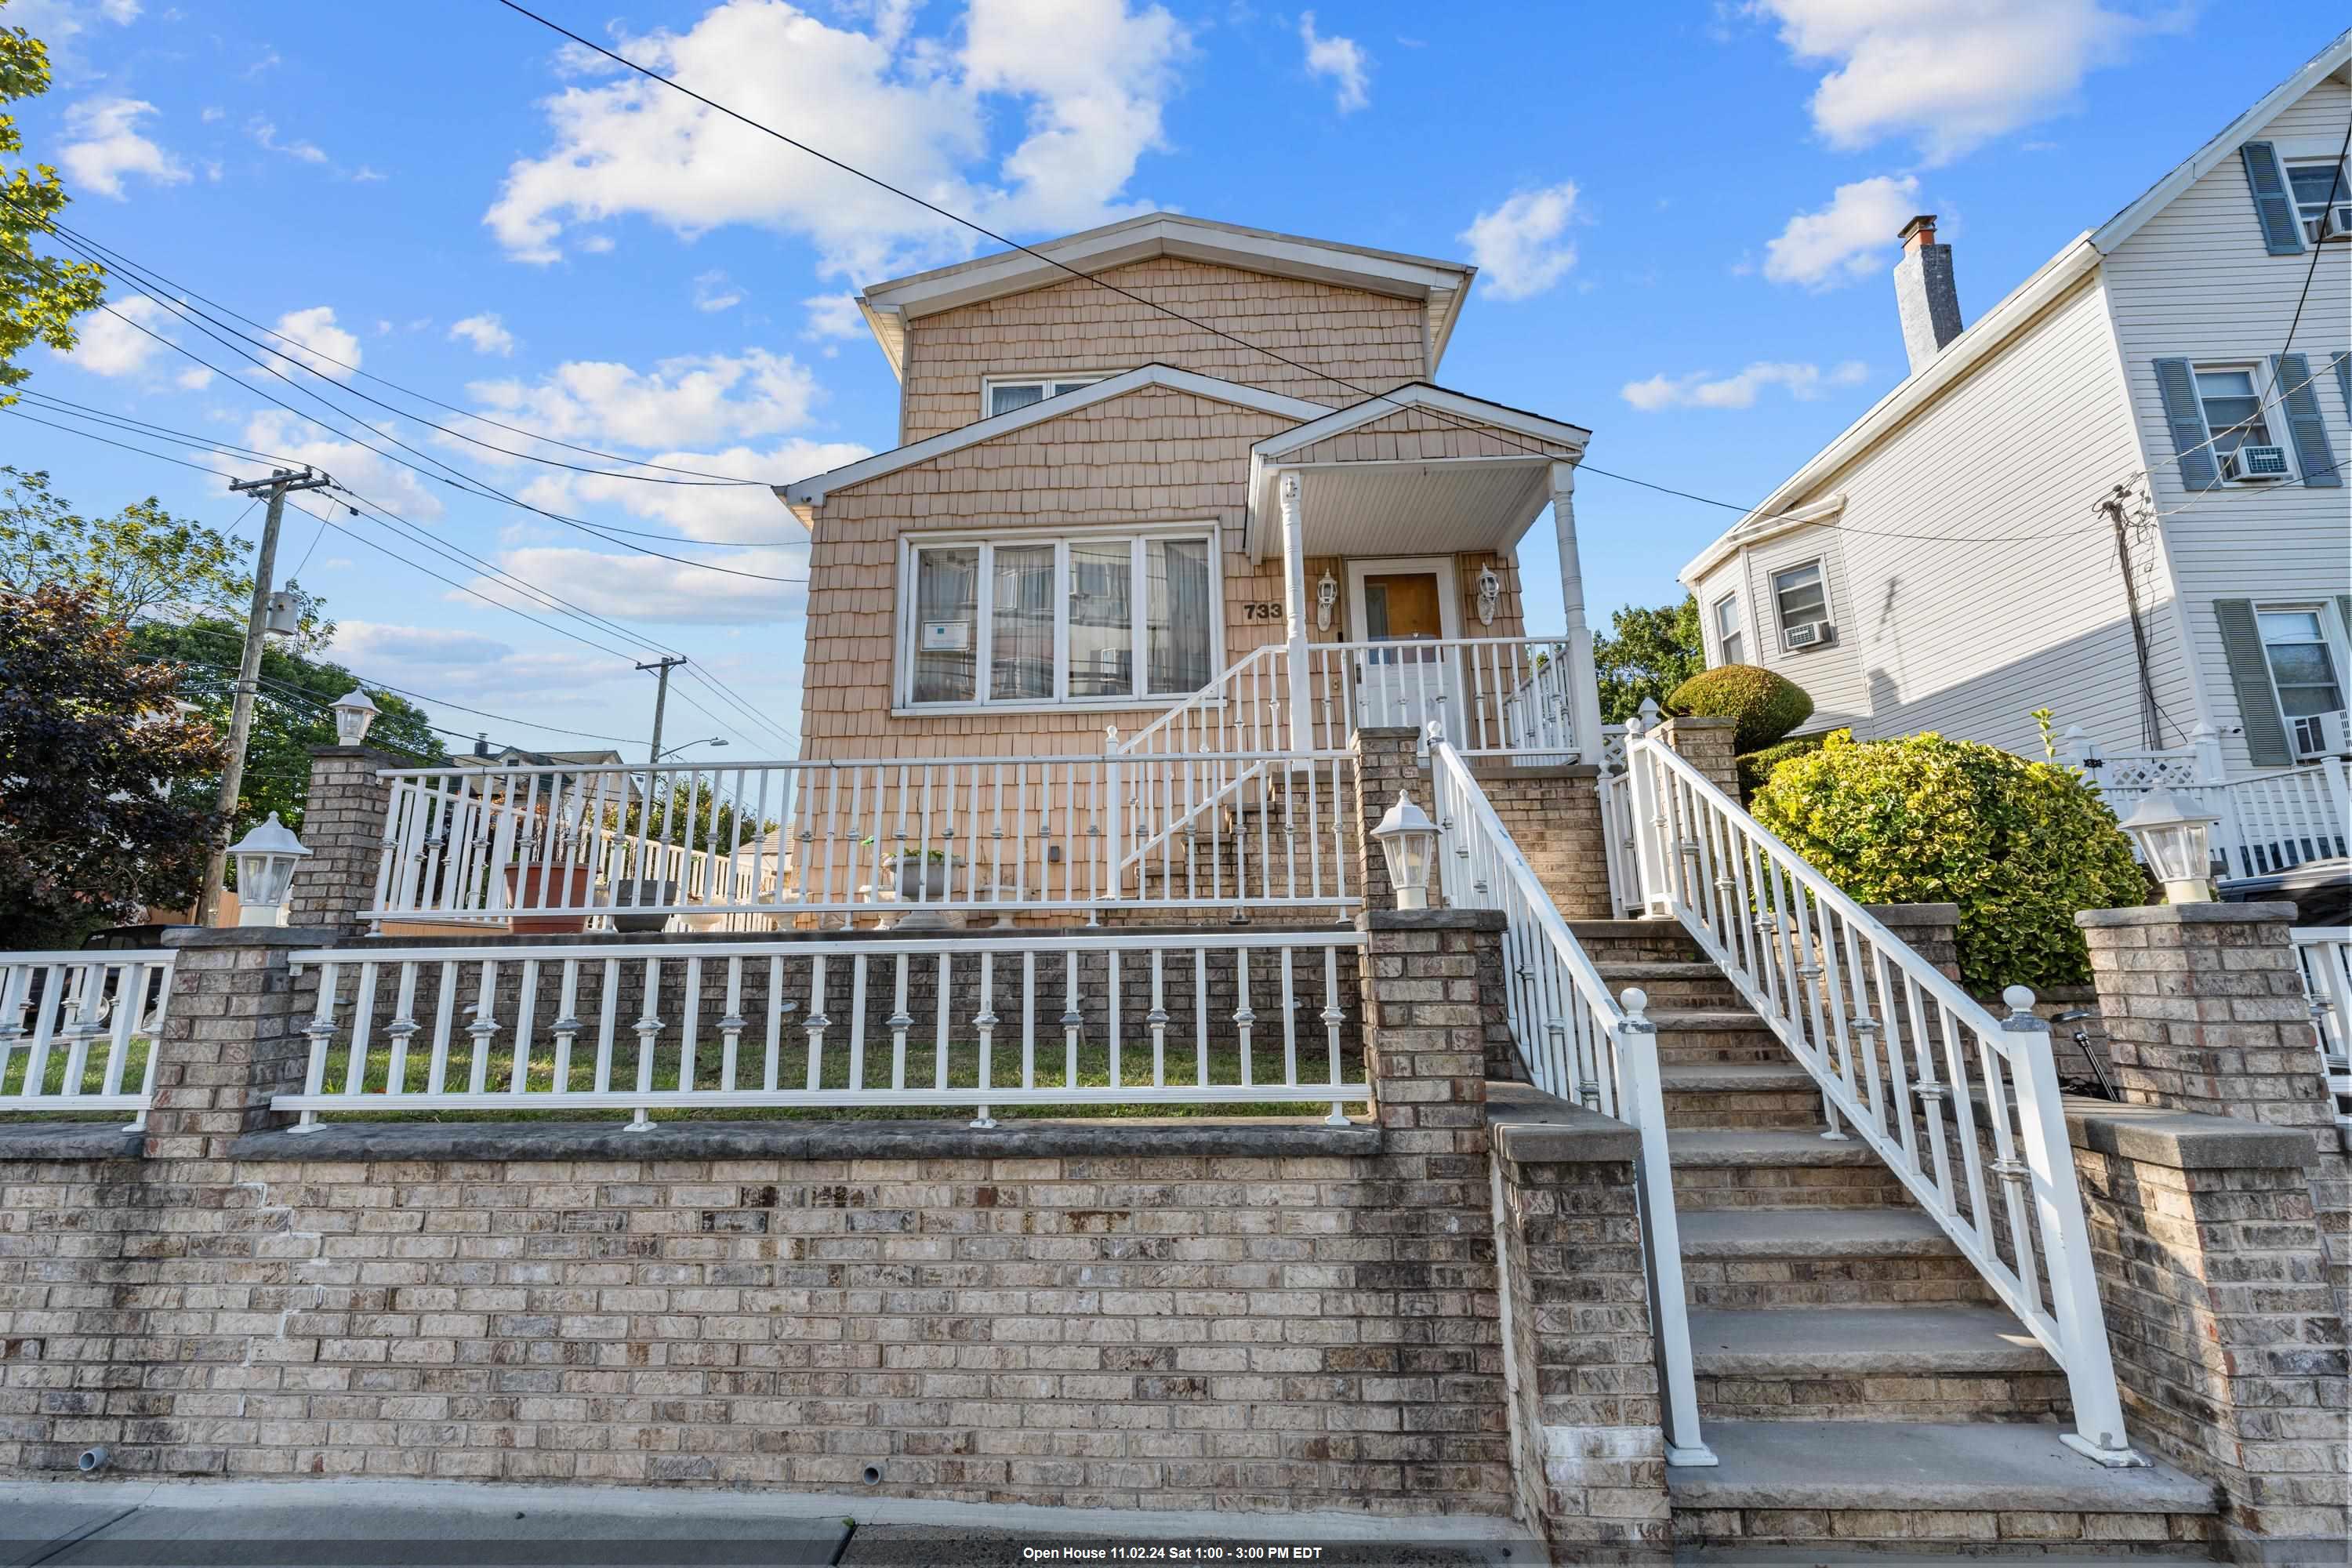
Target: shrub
2020	846
1755	767
1766	706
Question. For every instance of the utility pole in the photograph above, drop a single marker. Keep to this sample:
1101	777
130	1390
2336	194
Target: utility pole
281	483
662	666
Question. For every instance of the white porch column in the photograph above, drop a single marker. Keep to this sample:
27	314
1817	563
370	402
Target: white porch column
1583	686
1294	614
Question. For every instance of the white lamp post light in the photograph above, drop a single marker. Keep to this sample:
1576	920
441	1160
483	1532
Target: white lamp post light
266	859
353	714
2176	844
1408	841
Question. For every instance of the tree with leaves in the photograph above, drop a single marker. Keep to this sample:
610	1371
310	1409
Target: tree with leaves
1646	653
92	742
40	295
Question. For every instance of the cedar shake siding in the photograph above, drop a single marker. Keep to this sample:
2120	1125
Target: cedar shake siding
1375	342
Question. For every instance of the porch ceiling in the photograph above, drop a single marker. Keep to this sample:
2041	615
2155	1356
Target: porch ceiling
1407	507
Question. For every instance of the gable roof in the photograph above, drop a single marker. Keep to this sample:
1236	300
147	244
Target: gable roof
1423	395
805	495
1440	285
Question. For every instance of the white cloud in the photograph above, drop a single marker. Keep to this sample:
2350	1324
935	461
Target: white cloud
737	514
366	177
290	438
485	332
833	316
108	145
466	665
213	116
1521	247
106	343
693	400
315	330
1703	389
1088	79
1342	59
714	292
1845	239
1950	74
195	378
266	134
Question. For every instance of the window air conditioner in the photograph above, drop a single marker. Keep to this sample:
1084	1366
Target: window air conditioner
2318	735
2258	463
1809	634
2335	223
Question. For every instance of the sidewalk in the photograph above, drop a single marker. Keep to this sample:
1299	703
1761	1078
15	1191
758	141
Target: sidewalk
428	1525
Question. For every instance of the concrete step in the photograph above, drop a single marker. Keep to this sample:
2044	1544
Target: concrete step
1930	1489
1875	1364
1714	1034
1764	1095
1672	983
1774	1168
1772	1258
1628	941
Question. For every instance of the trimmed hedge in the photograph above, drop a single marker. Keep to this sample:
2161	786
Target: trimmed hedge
1766	706
2020	846
1755	767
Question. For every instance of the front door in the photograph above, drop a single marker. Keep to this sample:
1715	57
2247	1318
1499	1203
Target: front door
1403	613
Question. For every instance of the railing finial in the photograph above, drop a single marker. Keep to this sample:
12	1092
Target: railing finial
1435	730
2019	999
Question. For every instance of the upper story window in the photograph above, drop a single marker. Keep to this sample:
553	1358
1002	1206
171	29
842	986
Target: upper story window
1802	601
2317	185
2231	398
1730	635
2302	669
1003	394
1032	619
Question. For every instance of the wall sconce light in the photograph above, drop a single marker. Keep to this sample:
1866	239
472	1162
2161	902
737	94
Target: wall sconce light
1490	593
1327	595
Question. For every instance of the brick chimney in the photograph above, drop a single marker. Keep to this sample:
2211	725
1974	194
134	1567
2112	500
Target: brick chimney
1925	294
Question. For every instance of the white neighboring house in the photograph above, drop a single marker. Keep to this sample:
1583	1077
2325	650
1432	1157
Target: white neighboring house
2116	495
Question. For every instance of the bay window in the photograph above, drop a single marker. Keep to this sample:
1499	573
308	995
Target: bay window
1084	618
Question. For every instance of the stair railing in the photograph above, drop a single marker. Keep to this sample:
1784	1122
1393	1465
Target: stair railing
1964	1108
1578	1043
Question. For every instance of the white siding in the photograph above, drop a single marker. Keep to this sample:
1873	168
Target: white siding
2195	282
1829	674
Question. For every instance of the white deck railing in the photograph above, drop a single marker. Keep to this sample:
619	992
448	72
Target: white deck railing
2326	954
1963	1108
1577	1042
78	1030
976	1022
993	836
2269	822
1496	696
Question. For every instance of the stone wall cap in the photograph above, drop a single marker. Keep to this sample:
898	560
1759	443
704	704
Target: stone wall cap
1533	1128
108	1140
1699	722
2185	1139
1895	915
255	936
365	753
1254	1138
880	936
2187	915
1432	920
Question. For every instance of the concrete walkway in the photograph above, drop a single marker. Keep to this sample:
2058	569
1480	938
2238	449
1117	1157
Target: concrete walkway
427	1524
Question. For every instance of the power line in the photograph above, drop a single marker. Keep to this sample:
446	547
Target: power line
2335	183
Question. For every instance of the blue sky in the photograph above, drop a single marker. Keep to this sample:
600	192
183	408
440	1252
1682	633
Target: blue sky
1684	214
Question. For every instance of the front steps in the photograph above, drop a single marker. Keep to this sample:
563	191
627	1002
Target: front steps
1860	1383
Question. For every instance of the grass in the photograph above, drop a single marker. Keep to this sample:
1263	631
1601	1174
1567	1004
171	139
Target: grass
18	1066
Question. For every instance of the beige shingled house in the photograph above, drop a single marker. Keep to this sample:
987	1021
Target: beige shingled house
1154	477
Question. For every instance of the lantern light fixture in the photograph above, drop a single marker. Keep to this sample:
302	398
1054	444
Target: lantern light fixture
2176	841
1408	841
353	714
266	859
1490	593
1326	596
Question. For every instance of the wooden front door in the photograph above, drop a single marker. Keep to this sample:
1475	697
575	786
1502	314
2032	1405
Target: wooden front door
1402	677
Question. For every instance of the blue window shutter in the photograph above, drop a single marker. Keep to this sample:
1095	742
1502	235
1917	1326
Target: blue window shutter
2301	405
2250	678
2186	419
2273	206
2344	382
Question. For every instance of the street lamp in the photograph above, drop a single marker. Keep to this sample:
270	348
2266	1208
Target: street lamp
673	751
266	859
2176	844
1408	841
353	714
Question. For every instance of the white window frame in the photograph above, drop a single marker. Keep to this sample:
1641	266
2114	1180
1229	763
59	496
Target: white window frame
2332	637
2273	416
1074	378
902	675
1715	625
2287	165
1772	576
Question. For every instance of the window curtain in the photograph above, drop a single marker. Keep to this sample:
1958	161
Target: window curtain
947	612
1102	620
1180	616
1021	642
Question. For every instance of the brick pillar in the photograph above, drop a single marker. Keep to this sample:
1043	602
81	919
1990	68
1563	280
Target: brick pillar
1387	761
1425	1037
1931	930
343	825
231	1039
1707	744
2229	1346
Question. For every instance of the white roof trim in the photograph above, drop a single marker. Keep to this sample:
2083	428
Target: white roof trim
1422	394
1828	509
804	496
2224	146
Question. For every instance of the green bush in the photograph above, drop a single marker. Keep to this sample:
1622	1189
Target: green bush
1755	767
1766	706
2018	846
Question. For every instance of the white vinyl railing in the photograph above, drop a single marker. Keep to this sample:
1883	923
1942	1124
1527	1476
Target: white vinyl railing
1577	1042
551	848
2269	822
1963	1108
78	1030
1098	1019
2326	954
1496	696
